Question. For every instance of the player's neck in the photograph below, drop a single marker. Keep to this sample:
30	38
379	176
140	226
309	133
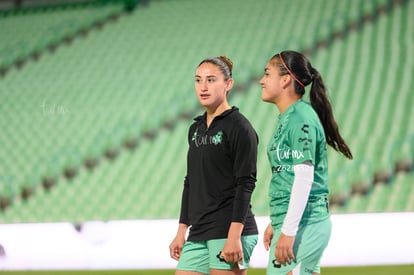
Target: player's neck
286	102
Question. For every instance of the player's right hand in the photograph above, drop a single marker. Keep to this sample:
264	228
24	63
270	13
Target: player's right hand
176	247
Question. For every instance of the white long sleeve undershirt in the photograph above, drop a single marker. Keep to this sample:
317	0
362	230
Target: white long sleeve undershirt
301	188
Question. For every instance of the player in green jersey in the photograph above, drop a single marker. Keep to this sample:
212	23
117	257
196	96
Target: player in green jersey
300	225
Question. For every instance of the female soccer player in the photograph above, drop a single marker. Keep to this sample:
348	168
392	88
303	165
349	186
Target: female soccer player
221	176
300	225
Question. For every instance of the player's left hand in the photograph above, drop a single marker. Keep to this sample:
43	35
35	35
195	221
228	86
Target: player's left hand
267	237
232	251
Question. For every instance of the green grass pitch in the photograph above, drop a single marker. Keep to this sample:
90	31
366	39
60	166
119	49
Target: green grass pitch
368	270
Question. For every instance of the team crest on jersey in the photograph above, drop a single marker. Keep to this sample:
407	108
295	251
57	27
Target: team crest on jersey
217	138
194	135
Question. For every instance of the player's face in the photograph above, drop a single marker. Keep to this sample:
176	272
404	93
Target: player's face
271	83
210	85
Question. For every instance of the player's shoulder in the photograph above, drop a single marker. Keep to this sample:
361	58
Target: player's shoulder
303	112
239	120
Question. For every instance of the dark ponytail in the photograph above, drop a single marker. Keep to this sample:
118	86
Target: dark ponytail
296	64
320	103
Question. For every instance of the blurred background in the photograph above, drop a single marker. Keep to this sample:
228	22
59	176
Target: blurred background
96	98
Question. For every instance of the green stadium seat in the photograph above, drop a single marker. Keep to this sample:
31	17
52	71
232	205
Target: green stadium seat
135	76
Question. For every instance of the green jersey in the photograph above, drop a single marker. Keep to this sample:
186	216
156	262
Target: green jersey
299	137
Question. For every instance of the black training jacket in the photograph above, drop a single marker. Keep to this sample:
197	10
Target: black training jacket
221	176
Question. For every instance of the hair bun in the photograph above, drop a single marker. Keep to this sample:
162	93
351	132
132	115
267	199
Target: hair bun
227	61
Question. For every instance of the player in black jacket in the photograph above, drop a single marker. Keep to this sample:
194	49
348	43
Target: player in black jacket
221	176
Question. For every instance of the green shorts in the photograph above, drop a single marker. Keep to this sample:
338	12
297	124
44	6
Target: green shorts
310	243
201	256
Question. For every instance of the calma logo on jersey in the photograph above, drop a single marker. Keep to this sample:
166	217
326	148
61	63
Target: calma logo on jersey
206	139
